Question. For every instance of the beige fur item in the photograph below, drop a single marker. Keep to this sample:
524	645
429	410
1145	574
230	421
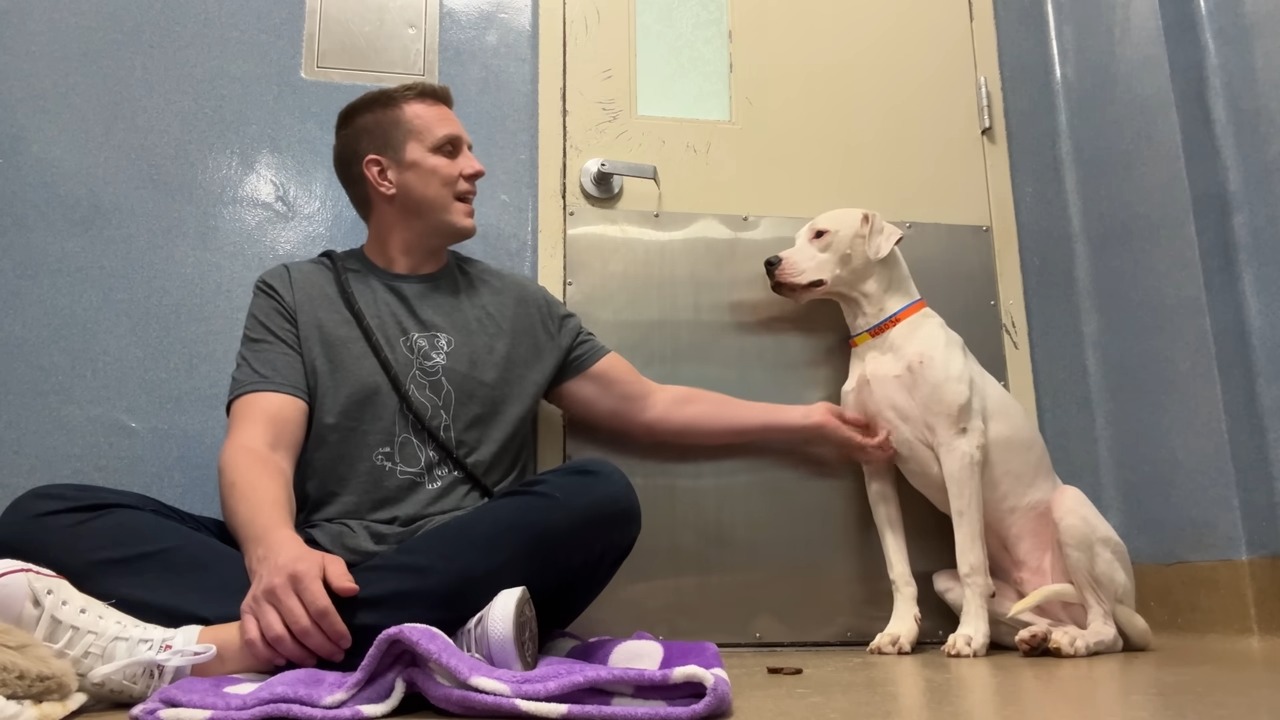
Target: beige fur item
30	671
34	683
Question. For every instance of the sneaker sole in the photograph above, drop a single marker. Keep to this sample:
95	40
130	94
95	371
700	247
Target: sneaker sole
513	623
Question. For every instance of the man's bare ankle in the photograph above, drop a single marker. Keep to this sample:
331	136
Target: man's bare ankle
233	657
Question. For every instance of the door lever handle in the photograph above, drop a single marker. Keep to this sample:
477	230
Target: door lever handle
602	178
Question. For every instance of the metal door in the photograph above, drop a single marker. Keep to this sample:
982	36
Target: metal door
821	105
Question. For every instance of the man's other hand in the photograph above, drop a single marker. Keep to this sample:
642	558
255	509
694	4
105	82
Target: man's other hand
287	615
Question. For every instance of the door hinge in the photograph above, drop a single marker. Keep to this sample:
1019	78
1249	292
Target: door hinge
984	105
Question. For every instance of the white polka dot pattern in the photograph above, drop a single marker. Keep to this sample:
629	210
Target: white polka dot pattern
641	654
542	709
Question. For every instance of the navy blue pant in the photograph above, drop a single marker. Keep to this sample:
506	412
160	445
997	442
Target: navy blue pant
563	534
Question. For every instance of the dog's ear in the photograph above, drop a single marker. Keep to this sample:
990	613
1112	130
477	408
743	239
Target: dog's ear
406	343
881	236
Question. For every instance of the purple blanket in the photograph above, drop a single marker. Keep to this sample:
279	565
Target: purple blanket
634	678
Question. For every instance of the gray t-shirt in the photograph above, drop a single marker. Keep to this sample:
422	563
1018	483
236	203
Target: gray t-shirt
477	348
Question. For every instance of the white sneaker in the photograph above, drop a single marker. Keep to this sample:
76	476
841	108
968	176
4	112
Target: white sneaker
118	659
505	633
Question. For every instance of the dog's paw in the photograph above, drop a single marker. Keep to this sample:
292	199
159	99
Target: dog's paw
1068	641
1033	640
900	635
964	645
893	643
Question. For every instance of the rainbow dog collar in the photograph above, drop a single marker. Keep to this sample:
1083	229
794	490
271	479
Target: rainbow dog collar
888	323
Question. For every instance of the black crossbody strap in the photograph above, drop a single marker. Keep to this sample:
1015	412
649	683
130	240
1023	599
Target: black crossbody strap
349	299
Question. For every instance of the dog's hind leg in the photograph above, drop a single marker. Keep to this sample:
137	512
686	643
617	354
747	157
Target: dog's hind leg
1026	632
1099	566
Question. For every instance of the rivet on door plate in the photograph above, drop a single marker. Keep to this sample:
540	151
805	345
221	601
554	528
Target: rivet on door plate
985	228
568	282
908	225
570	212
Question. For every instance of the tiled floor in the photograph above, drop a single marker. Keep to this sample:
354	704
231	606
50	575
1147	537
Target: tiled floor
1200	678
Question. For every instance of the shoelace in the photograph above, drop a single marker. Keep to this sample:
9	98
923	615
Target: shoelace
90	636
146	672
473	637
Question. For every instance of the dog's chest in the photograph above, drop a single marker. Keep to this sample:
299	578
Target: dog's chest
885	388
882	387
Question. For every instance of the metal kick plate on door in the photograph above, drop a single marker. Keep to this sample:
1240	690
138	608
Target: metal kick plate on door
756	550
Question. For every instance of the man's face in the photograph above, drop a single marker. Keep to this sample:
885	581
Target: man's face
436	178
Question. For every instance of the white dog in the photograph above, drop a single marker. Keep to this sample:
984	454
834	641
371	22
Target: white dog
1024	540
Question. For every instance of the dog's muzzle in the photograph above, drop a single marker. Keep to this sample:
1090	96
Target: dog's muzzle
771	265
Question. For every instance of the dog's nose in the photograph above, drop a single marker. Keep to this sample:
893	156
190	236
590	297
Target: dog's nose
771	264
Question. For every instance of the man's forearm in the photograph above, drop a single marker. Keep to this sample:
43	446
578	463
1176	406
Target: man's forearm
257	498
613	396
693	416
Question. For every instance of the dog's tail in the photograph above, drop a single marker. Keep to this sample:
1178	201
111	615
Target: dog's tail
1133	628
1057	592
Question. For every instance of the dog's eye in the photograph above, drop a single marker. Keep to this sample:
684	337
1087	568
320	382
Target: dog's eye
819	234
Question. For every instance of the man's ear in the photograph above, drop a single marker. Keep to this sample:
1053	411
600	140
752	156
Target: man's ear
881	236
378	172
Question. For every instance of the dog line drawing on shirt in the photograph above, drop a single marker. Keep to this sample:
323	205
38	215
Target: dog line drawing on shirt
414	454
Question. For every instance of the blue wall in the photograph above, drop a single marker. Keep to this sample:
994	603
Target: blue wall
1145	140
155	156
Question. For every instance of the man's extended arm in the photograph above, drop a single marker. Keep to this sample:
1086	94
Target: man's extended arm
613	396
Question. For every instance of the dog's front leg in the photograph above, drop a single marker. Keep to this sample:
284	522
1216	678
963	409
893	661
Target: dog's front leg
962	458
900	635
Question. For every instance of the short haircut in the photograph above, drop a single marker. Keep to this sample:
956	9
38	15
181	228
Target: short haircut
373	124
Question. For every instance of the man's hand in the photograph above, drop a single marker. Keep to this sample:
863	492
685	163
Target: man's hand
852	435
287	615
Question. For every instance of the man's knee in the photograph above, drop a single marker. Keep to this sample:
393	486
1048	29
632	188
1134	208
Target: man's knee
30	516
20	523
42	500
609	499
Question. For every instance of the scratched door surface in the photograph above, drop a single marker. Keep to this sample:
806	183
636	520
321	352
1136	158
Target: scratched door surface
753	117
